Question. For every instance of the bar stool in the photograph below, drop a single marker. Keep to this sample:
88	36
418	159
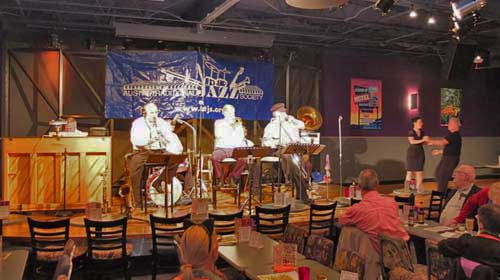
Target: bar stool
226	165
269	160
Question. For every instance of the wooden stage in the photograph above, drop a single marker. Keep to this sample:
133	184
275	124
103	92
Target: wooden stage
16	229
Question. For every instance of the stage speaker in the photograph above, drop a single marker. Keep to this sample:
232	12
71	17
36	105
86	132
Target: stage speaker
458	61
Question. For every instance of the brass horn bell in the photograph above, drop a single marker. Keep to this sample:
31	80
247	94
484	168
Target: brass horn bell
311	117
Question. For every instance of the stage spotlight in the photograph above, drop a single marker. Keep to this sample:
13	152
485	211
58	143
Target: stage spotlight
413	12
431	20
384	6
463	8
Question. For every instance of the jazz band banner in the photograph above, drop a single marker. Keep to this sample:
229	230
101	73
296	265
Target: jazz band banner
366	103
188	84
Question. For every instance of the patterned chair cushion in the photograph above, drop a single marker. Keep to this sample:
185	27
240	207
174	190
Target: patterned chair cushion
319	249
111	254
297	235
439	265
54	256
350	261
395	253
400	273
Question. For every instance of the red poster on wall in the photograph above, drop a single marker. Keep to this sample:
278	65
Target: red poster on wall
366	103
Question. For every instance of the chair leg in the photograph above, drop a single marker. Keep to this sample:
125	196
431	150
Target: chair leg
153	273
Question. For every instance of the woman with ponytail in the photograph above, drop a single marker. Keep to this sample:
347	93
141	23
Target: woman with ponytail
198	251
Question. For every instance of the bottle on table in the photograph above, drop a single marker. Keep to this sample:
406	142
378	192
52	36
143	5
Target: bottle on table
411	217
421	216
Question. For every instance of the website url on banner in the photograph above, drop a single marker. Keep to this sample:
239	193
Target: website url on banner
202	108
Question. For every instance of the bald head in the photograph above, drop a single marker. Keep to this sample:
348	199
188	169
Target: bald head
494	193
368	180
453	124
463	176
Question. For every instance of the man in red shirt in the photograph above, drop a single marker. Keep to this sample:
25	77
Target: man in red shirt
485	196
375	214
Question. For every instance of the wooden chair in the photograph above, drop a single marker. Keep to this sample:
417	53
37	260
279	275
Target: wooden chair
395	258
435	206
321	218
405	200
108	251
47	244
354	201
272	221
224	224
163	231
438	266
296	235
65	263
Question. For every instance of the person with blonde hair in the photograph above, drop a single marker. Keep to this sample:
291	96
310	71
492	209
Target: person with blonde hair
198	251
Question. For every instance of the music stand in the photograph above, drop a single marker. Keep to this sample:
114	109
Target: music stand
251	154
302	149
168	161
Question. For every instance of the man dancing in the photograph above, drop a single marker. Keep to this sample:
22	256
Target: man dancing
284	129
229	134
150	133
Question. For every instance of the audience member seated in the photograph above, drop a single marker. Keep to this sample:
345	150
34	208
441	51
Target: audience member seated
483	248
463	179
375	214
471	206
198	251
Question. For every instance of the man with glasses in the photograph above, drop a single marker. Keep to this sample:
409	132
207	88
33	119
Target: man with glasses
463	179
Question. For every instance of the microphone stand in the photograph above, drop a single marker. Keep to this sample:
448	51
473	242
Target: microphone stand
340	151
192	161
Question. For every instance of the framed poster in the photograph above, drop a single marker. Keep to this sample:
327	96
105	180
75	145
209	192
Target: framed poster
366	103
451	104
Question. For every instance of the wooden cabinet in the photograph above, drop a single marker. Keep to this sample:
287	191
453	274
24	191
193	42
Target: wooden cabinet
35	171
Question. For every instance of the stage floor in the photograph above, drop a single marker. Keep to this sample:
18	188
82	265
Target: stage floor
15	229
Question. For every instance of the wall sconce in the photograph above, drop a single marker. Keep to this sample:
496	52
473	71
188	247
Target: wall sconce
413	101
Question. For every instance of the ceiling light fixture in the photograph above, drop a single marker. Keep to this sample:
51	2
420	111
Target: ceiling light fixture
316	4
431	20
413	12
384	6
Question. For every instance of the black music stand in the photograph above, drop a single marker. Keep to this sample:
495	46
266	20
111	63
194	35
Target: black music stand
302	149
166	160
251	154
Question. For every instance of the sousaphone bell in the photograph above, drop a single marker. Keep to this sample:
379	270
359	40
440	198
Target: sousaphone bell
311	117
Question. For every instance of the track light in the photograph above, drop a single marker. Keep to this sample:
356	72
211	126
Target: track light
463	8
431	20
384	6
413	12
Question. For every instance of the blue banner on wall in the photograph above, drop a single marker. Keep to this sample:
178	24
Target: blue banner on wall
188	84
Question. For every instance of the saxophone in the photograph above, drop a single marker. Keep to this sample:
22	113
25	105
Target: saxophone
126	187
105	202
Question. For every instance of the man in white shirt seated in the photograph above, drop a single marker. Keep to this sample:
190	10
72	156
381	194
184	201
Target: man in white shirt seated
229	134
463	179
284	129
150	133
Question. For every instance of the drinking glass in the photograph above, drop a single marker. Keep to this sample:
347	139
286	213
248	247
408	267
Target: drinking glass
469	224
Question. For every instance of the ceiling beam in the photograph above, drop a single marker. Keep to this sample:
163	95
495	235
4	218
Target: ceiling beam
218	11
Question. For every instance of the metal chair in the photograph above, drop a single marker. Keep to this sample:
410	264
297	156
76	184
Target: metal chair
270	161
224	224
272	221
435	206
321	218
108	251
163	231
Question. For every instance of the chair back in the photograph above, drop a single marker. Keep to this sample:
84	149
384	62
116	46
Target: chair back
354	201
224	224
272	221
467	269
438	266
106	236
65	263
320	249
435	206
321	217
405	200
394	252
296	235
163	230
48	236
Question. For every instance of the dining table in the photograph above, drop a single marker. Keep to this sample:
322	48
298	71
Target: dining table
254	261
12	264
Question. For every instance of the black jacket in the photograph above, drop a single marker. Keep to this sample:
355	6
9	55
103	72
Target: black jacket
475	248
451	192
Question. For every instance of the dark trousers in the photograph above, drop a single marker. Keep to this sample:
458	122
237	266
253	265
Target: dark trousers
444	171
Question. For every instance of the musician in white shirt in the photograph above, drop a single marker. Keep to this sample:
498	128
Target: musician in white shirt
229	134
148	133
282	130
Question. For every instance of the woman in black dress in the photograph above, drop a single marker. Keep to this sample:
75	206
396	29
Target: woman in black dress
415	156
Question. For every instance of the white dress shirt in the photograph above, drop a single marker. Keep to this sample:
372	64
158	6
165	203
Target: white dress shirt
144	135
290	132
228	135
454	206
